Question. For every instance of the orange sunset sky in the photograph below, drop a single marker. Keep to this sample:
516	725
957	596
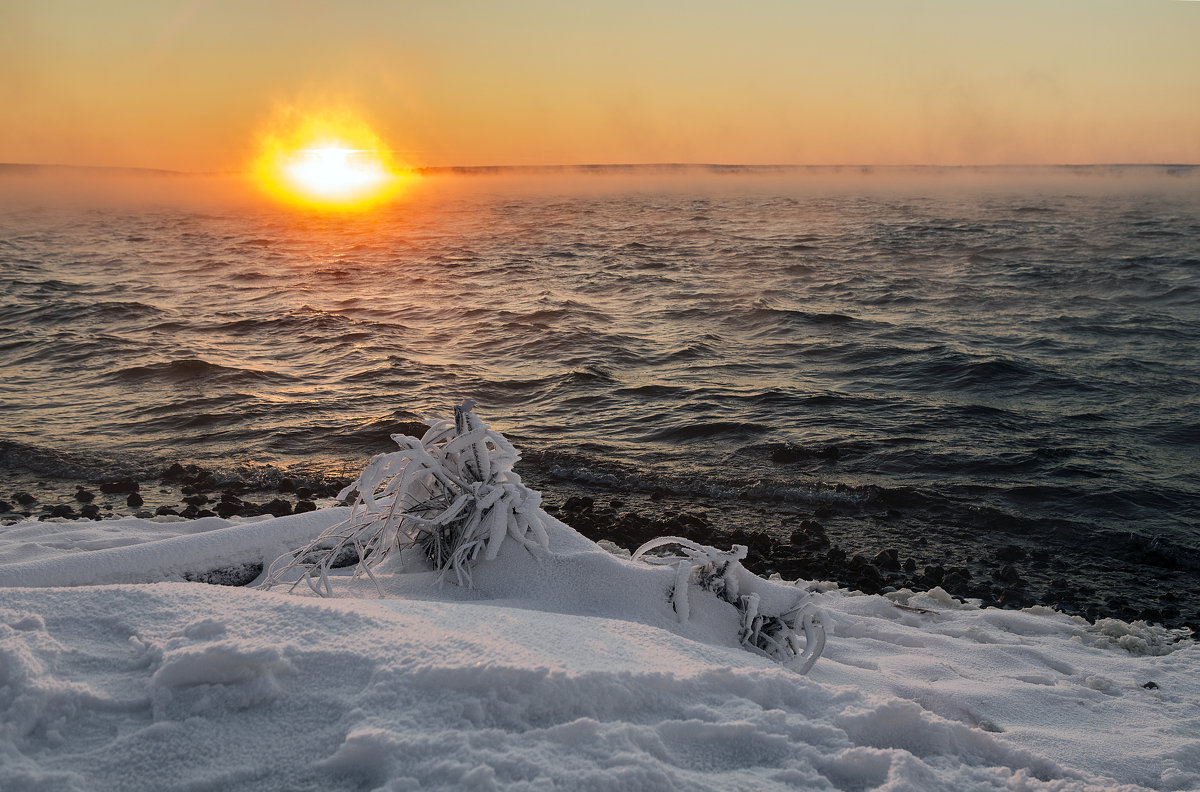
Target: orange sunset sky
188	85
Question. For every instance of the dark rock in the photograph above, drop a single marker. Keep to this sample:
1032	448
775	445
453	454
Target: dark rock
347	556
578	503
191	512
330	489
1013	598
202	480
174	472
196	500
910	565
134	500
61	510
934	574
287	485
84	496
5	506
229	497
190	476
236	575
887	559
119	485
90	511
983	593
629	530
683	521
163	511
225	509
757	542
205	513
956	579
794	568
188	489
1151	685
304	493
24	498
869	580
1007	574
813	527
303	506
278	507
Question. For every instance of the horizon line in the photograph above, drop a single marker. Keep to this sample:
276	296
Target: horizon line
624	167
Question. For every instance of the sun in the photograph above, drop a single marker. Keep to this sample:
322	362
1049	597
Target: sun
326	160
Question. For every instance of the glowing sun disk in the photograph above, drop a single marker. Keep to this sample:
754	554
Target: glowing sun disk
335	171
328	164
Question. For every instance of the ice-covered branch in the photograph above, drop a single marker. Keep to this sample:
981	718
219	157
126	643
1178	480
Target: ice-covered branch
453	494
775	635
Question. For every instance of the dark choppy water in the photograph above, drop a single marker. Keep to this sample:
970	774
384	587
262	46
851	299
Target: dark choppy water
941	371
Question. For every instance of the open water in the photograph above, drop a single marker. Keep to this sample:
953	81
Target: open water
943	367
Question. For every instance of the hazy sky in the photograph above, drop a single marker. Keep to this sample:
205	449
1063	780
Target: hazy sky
186	85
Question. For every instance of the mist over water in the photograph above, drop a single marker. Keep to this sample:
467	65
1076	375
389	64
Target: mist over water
944	369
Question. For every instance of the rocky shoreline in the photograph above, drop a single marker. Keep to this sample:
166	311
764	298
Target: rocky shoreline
808	553
187	491
799	546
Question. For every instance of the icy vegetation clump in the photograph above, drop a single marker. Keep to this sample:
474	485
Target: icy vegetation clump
775	635
452	494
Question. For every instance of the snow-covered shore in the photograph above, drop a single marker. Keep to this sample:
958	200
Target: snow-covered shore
569	671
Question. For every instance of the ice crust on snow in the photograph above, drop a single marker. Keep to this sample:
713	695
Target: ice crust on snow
571	671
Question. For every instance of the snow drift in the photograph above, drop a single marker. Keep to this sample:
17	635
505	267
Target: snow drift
568	668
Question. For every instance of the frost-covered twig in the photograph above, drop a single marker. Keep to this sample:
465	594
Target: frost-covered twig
721	572
453	494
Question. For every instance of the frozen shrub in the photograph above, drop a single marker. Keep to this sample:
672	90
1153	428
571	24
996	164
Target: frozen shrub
453	494
775	635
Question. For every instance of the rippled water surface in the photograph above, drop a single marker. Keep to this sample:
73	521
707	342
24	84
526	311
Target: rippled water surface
966	366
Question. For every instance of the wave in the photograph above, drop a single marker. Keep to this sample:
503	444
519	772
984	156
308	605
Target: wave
705	430
574	467
196	369
73	312
75	465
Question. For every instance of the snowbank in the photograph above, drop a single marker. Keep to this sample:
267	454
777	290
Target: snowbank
570	671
